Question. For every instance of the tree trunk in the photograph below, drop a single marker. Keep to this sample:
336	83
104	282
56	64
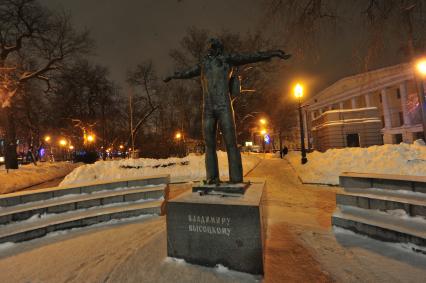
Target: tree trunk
11	158
103	125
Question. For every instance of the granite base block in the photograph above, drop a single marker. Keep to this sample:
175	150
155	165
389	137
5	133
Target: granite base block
212	229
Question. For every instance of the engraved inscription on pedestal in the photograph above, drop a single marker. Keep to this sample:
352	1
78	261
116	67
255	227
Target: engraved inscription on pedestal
209	224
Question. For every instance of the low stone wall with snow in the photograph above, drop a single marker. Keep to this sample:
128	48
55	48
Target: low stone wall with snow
325	168
190	168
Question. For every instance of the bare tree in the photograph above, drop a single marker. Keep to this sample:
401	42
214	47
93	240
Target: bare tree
302	21
85	95
403	18
34	44
144	76
372	23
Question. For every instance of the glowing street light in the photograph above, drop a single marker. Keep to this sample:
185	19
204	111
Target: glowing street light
71	147
421	67
263	132
47	138
298	93
262	121
121	146
421	71
62	142
178	136
90	138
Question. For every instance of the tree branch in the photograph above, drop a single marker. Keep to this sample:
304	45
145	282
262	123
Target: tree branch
48	67
142	121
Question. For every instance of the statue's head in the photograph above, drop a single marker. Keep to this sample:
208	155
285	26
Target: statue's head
215	47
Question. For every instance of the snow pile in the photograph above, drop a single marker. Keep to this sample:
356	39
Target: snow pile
325	168
189	168
31	175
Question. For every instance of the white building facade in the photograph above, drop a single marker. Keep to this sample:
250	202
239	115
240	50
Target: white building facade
392	90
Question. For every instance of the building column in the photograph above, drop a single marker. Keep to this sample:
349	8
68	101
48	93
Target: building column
341	105
403	92
353	103
367	100
386	109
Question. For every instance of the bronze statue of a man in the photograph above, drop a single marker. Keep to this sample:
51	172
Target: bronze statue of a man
216	69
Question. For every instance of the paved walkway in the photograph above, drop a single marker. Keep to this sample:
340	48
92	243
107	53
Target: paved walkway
301	247
289	204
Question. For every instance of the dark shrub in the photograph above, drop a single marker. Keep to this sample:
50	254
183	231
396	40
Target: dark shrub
87	157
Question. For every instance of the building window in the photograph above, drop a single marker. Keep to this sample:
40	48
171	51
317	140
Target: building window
398	93
401	118
419	136
398	138
352	140
383	121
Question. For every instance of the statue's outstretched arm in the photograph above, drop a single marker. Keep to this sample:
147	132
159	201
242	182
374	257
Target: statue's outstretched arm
242	59
187	74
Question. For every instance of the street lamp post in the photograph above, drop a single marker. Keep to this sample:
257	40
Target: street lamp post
263	134
89	142
62	143
181	144
48	140
421	70
298	92
263	122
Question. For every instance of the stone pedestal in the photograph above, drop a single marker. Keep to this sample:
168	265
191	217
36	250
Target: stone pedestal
213	229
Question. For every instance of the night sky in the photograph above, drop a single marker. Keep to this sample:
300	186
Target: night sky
130	31
127	32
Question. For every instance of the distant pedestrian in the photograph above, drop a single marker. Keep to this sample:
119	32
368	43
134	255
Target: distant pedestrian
285	150
30	155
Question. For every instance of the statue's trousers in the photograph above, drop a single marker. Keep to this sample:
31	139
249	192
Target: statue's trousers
224	117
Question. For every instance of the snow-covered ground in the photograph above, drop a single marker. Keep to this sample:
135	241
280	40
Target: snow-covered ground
300	246
189	168
325	168
30	175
